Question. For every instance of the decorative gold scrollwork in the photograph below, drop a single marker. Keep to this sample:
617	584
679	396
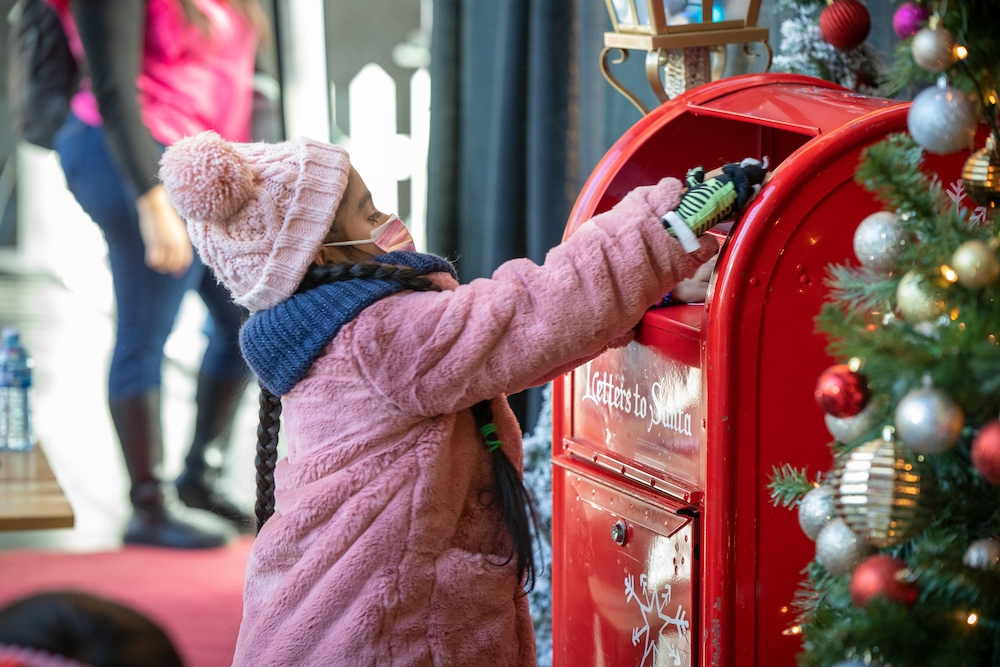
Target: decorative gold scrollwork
615	83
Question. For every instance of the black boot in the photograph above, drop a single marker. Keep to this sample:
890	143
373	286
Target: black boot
217	402
137	421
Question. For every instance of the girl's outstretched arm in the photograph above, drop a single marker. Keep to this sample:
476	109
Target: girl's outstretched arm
438	352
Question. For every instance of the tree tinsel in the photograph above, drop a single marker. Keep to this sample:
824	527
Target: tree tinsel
956	617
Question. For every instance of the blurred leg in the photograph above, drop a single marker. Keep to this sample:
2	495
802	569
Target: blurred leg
147	303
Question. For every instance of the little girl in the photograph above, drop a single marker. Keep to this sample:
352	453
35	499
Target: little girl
400	535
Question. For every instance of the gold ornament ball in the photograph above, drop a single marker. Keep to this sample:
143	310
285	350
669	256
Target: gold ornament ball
880	489
934	50
917	300
975	265
981	175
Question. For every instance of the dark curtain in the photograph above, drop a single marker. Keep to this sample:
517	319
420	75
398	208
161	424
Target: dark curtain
520	114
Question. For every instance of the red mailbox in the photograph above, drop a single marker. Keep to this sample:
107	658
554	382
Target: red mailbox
667	550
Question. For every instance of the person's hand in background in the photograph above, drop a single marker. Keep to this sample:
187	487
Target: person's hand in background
168	248
695	288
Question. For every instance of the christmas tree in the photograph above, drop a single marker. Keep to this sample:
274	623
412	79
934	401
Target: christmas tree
840	54
906	523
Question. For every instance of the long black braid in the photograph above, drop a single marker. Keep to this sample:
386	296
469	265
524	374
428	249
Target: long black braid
267	454
516	505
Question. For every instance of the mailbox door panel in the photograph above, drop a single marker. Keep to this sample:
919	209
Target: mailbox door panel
626	574
643	407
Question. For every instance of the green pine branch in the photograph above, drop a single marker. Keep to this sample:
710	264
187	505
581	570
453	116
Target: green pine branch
788	485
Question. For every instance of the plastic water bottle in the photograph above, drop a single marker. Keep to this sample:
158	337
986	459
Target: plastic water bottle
16	432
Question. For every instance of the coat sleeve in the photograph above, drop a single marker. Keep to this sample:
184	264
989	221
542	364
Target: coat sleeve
112	33
435	353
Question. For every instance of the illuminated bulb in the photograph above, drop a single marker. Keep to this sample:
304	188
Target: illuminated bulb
993	98
794	630
854	364
973	619
954	314
949	273
961	52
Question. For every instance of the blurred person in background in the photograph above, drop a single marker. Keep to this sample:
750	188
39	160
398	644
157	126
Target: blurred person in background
160	70
70	629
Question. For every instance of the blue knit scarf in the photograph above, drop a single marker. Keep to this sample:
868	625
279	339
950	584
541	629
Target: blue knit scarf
281	343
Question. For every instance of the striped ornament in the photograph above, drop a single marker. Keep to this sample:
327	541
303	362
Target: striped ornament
844	24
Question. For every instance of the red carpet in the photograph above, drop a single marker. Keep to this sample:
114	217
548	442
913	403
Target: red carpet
196	596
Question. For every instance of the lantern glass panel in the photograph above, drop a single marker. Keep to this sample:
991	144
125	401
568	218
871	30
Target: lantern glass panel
732	10
623	11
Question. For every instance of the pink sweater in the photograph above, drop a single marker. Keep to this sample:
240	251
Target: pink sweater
384	547
187	83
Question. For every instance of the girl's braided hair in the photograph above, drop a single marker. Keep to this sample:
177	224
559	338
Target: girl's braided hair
516	504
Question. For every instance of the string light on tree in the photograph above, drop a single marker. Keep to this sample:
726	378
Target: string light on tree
928	420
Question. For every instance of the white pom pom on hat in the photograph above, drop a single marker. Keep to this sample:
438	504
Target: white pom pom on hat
206	178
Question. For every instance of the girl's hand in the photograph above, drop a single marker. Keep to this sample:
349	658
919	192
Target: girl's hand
695	288
168	248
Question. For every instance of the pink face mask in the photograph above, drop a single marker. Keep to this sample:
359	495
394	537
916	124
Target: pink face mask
391	236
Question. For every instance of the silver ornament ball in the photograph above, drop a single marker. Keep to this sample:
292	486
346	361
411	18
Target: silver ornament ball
929	421
917	299
934	50
839	549
850	429
879	240
816	509
942	120
983	554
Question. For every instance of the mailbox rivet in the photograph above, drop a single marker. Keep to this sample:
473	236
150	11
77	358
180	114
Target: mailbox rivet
804	280
754	282
801	268
619	532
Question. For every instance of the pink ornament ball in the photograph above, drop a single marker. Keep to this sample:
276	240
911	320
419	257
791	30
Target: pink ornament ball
908	19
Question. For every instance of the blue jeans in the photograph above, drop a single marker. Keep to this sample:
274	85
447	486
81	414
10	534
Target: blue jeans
147	301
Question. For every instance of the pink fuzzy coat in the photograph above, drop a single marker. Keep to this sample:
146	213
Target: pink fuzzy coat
385	545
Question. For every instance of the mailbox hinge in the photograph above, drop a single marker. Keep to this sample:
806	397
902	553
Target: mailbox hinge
659	484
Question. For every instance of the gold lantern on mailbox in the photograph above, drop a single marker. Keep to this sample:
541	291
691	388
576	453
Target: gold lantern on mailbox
679	36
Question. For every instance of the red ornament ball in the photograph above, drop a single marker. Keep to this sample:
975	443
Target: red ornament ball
841	392
879	575
986	452
845	24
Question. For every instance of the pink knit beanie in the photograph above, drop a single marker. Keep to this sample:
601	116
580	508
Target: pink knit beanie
256	213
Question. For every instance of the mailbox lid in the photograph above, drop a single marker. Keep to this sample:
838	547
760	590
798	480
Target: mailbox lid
632	603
